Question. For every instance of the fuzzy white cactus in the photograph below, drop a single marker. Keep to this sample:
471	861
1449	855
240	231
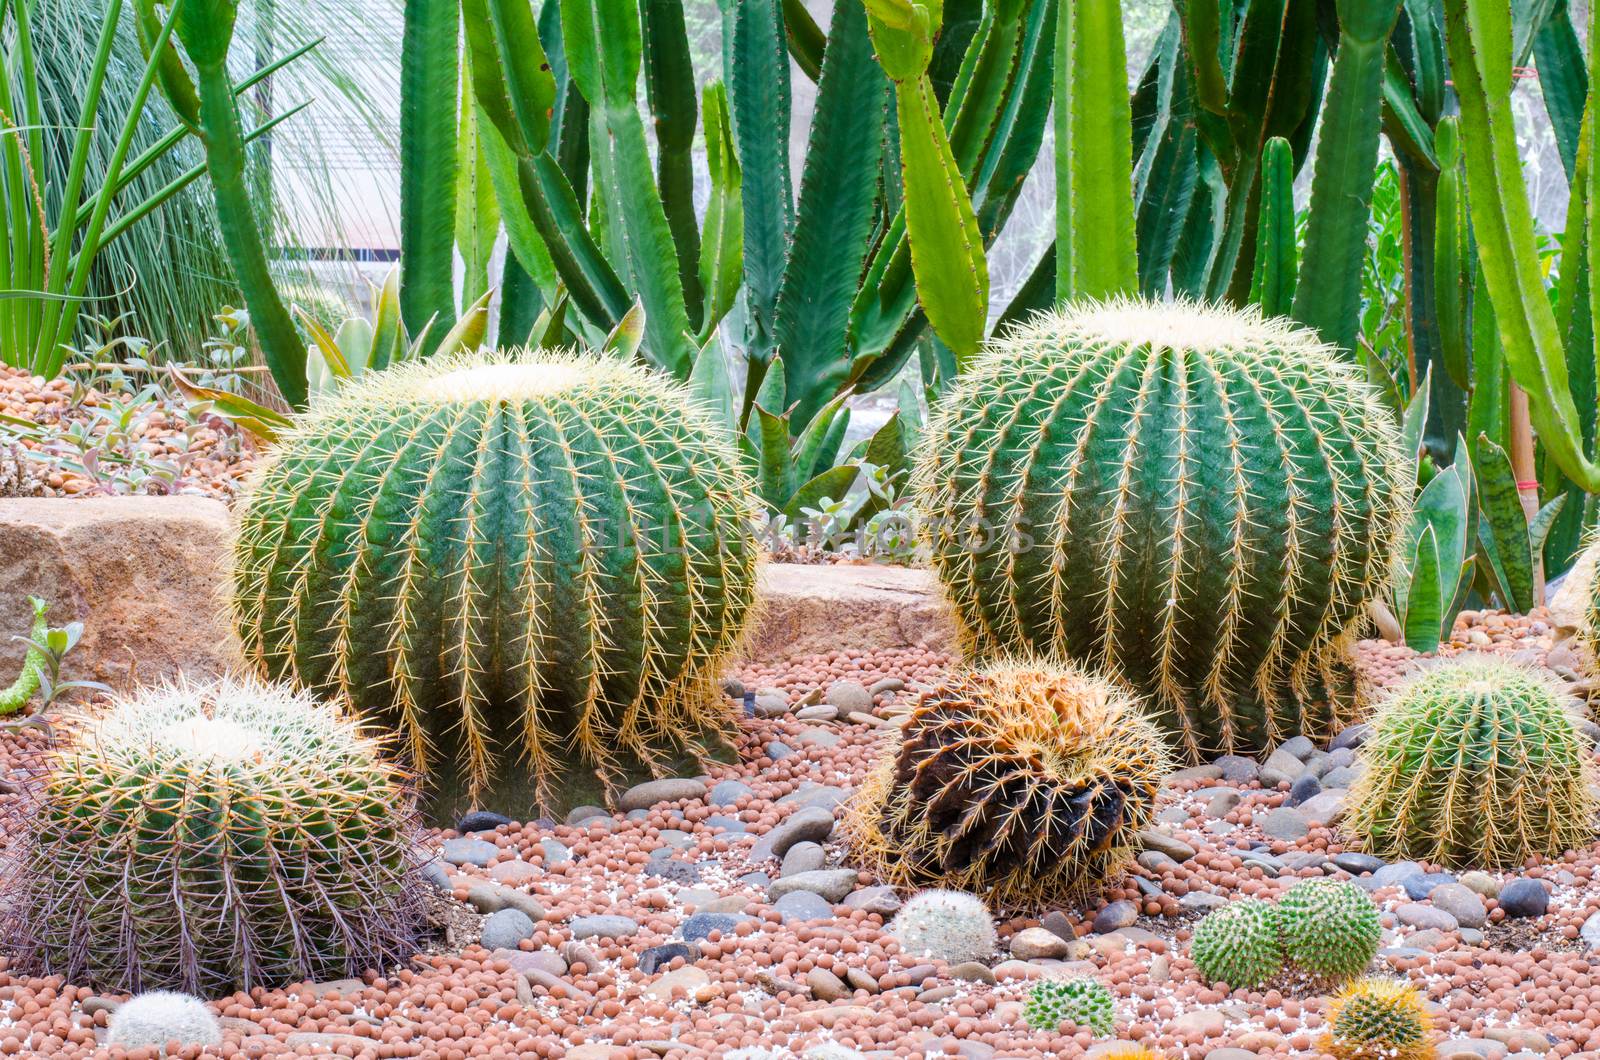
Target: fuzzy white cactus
952	926
163	1016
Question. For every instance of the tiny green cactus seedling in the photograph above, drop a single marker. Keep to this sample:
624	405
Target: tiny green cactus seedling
154	1019
16	696
1329	928
532	555
947	925
1238	944
1194	499
1079	1002
209	838
1477	763
1379	1019
1023	781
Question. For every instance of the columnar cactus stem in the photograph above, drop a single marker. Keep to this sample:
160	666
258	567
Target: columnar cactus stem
1195	499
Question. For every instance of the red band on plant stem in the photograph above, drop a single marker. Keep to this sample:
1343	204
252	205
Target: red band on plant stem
1527	485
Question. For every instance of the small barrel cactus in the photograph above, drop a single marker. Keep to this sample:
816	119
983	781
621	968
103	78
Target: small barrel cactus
1079	1002
947	925
1238	944
1024	781
1478	762
160	1017
1379	1019
1193	498
213	837
1328	928
531	552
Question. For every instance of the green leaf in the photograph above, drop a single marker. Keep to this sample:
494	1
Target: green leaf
1424	613
757	74
625	339
1416	417
469	332
777	476
1505	524
722	248
263	422
834	482
712	385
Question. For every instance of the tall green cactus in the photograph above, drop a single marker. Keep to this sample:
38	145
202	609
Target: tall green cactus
524	555
1194	498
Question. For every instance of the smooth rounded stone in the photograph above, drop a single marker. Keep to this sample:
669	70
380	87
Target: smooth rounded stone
1317	764
1173	815
1393	875
884	686
1222	803
1590	932
881	900
1115	915
1230	1054
676	838
437	875
1172	847
818	712
825	986
1340	757
488	897
778	751
770	703
1270	866
814	737
1356	863
821	796
579	814
1470	936
1472	1049
1425	917
1155	861
514	873
1300	860
651	792
1201	902
1286	823
637	815
1420	886
975	971
728	792
810	824
1205	772
605	926
1460	902
555	852
658	957
548	961
504	929
1523	897
832	884
468	851
1342	776
733	688
684	982
1206	1022
1300	747
673	870
849	696
1237	769
481	821
1280	768
803	857
1482	883
701	925
1031	944
1352	737
1327	806
861	979
1304	788
803	905
756	880
726	823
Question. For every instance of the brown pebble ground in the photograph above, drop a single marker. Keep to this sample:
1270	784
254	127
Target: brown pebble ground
1531	989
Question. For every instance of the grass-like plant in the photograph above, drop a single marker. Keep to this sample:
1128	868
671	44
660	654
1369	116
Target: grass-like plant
212	837
1023	781
527	553
1478	762
1195	499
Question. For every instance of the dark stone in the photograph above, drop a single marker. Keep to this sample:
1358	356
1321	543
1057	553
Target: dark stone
1351	737
1524	898
1304	787
674	870
660	956
1419	887
701	925
1356	863
481	821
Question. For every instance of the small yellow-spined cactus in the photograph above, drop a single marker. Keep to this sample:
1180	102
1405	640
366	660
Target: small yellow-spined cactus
534	555
1379	1019
1195	499
1023	781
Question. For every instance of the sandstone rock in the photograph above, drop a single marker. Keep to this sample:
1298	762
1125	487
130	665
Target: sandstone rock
643	796
1570	601
1033	943
806	608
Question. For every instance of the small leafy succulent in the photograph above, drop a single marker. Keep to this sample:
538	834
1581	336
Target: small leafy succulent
1080	1002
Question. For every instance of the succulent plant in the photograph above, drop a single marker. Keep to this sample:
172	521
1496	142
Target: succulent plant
16	695
1080	1002
948	925
1021	780
1328	928
535	553
1477	762
1379	1019
212	837
1193	498
154	1019
1238	944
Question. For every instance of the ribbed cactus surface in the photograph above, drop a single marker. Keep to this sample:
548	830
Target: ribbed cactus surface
1478	762
1238	944
213	837
1082	1003
1193	498
1329	929
525	555
1379	1019
1023	781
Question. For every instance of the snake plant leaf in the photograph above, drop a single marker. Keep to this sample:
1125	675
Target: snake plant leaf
1544	522
1095	234
429	77
549	327
1504	524
768	442
812	446
1414	423
722	243
670	87
834	224
1424	611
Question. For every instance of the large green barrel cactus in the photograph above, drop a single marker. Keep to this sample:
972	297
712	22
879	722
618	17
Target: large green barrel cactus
210	838
1194	499
535	555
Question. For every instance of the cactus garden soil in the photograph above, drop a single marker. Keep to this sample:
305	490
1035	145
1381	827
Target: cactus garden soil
1513	988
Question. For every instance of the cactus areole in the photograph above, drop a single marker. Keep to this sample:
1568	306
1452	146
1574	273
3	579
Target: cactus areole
529	563
1195	499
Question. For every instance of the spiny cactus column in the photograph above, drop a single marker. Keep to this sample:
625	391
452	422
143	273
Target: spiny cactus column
1193	498
532	555
1022	781
209	838
1477	763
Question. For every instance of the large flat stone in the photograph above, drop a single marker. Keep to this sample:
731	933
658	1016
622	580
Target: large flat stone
147	576
823	607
